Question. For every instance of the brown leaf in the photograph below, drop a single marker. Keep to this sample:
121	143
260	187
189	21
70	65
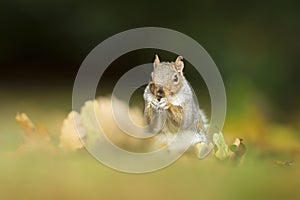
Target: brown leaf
237	151
31	131
283	163
72	131
36	137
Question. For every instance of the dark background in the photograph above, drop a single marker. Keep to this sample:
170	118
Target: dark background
255	44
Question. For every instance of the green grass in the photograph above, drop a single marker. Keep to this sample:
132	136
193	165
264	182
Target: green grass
79	176
44	175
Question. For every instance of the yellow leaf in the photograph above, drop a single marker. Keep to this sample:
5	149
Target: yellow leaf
30	130
222	148
36	137
203	149
72	131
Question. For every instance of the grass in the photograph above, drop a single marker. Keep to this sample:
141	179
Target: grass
79	176
44	175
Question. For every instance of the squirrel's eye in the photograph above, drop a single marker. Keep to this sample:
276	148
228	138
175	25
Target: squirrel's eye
175	78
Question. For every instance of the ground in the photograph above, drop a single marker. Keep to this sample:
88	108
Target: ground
265	173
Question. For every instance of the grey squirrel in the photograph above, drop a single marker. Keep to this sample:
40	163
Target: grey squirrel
170	103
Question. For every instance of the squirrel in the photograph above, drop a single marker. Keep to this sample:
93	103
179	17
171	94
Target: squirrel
170	103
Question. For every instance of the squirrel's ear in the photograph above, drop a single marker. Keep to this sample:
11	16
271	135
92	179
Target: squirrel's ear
179	65
156	61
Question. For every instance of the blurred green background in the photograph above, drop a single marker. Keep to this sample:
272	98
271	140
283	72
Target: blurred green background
255	44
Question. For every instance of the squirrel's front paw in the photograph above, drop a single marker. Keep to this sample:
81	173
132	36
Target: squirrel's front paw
164	104
154	104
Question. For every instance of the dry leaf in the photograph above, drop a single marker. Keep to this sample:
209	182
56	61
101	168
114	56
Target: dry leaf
203	149
36	137
111	129
89	121
221	147
30	130
72	131
283	163
96	116
237	151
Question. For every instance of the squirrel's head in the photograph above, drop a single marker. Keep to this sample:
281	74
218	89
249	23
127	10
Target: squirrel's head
167	77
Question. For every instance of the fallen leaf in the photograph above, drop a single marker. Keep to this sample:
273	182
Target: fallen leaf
283	163
221	151
238	150
203	149
30	130
36	137
72	131
88	116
